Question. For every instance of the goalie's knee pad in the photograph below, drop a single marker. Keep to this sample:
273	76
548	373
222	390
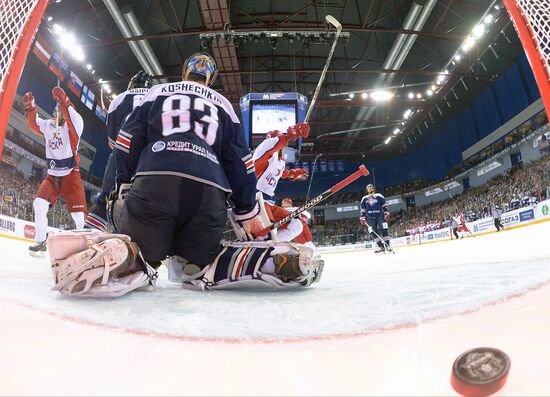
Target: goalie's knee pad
96	264
254	264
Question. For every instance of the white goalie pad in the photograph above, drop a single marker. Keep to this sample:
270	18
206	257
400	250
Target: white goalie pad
96	264
253	264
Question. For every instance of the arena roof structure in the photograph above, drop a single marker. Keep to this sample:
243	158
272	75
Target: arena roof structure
400	67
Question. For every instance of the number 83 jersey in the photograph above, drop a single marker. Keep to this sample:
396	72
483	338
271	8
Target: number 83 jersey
188	130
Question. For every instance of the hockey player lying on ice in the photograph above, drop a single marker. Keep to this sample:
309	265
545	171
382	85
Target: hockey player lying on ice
180	156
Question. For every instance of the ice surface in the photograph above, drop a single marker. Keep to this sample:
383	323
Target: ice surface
385	308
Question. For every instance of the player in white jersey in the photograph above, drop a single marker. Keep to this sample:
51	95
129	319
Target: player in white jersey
61	136
270	167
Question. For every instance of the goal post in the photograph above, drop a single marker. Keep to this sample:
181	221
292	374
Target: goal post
531	18
19	21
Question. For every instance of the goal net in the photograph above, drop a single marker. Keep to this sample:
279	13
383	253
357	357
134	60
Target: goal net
531	19
19	20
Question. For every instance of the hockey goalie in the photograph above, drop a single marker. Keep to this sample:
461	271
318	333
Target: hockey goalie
173	180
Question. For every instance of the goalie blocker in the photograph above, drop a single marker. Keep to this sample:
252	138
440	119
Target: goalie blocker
98	264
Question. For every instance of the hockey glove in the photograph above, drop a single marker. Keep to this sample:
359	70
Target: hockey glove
298	130
60	96
273	134
387	216
298	174
363	221
247	225
28	102
115	203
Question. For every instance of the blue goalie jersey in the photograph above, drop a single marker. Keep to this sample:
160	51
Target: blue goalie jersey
373	205
120	109
188	130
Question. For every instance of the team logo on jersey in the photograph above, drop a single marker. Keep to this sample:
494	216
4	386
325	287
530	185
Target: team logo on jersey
52	164
158	146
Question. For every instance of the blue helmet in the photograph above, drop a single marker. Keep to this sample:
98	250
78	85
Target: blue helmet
202	64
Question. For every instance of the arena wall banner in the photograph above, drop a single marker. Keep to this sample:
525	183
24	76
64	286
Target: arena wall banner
542	211
17	228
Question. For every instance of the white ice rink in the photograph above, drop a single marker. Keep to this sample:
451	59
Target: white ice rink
374	325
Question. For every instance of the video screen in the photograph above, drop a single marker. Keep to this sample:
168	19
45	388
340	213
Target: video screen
267	117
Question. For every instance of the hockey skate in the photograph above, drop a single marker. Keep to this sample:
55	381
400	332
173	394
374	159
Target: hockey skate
380	250
38	249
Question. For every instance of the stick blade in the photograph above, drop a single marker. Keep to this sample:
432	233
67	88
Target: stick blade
333	21
364	170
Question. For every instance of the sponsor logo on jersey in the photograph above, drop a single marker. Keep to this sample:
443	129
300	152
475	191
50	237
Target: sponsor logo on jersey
29	231
158	146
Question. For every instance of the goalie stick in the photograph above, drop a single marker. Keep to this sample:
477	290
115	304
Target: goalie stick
362	171
330	19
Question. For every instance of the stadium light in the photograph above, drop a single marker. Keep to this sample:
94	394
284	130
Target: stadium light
429	92
89	67
468	44
434	87
381	95
49	18
407	114
489	18
58	29
351	95
396	131
457	58
411	95
364	95
478	31
419	95
388	139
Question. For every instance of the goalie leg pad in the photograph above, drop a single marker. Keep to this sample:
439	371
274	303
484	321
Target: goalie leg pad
254	264
94	266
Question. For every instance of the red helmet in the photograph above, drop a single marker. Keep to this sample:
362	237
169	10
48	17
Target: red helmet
273	134
287	202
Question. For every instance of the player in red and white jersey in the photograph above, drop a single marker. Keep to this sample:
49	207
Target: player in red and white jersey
461	224
305	236
269	163
270	167
61	136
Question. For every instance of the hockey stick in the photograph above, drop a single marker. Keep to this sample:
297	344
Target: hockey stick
330	19
362	171
386	245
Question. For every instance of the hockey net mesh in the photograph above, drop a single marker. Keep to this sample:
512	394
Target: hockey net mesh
536	14
13	16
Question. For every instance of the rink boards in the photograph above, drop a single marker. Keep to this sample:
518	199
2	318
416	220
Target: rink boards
24	230
510	220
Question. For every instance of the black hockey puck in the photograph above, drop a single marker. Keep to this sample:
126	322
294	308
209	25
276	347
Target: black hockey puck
480	372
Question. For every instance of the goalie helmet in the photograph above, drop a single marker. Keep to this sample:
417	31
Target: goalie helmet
202	64
141	80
